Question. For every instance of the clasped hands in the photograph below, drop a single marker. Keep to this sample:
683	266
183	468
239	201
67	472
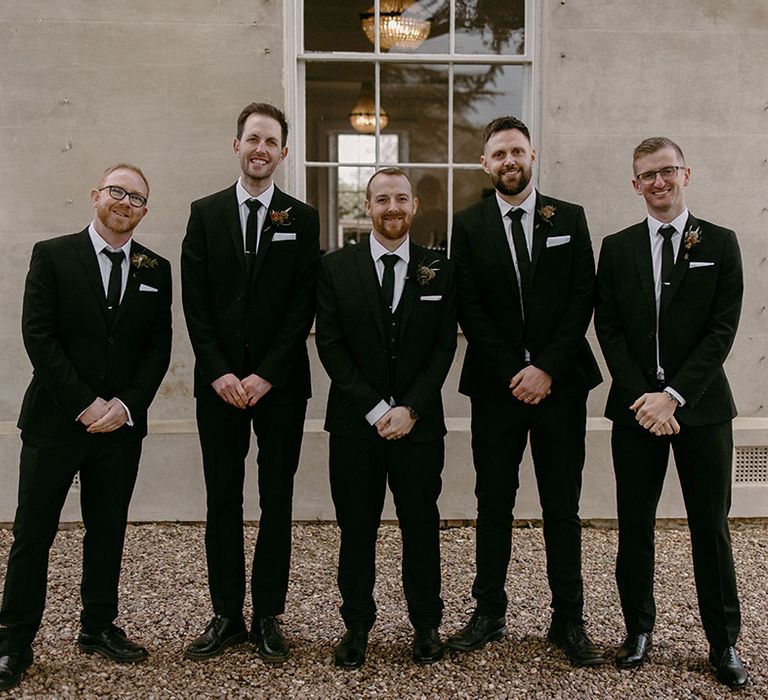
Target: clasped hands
104	416
241	393
655	412
531	385
395	423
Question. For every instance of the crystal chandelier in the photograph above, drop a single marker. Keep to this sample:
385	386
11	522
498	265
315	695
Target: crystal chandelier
363	114
401	24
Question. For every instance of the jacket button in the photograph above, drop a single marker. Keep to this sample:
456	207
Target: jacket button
651	335
111	341
241	297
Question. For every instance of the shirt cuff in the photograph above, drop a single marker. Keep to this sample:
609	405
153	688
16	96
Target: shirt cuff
669	390
374	415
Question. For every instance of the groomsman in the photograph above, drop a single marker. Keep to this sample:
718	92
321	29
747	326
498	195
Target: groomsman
386	334
96	323
526	276
248	271
668	305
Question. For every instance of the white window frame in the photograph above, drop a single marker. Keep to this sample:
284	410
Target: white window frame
295	59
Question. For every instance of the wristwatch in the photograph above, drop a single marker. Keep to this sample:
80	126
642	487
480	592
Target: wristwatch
412	413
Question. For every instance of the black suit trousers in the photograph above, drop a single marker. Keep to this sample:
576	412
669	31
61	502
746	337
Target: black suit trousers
500	432
107	470
703	459
225	433
359	472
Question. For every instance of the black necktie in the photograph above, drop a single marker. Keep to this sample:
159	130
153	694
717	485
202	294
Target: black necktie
115	284
388	281
251	231
667	254
521	249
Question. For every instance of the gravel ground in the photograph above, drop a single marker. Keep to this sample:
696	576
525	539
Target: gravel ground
164	604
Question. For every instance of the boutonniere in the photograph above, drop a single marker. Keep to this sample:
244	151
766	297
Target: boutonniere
691	238
139	260
280	218
426	273
546	213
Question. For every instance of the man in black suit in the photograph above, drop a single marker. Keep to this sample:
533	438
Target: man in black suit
249	270
96	324
386	335
526	276
668	304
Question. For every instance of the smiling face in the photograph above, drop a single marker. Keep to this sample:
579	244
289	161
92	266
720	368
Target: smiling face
117	219
259	151
664	199
391	206
508	158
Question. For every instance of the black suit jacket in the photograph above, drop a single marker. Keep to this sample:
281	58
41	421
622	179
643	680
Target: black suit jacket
77	353
351	341
243	326
559	304
698	319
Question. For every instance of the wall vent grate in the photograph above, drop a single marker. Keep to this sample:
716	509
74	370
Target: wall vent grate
751	465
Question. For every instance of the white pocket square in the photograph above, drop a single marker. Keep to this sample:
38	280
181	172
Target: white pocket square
283	237
431	297
553	241
146	288
700	264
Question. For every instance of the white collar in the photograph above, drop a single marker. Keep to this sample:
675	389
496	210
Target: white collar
403	251
244	195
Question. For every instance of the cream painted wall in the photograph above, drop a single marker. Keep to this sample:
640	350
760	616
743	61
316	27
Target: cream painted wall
84	84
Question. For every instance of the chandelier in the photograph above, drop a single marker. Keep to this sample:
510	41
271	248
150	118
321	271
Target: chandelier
401	24
363	114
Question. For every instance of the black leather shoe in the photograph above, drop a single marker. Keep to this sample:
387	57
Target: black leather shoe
573	639
426	646
729	669
12	667
634	649
270	643
480	630
112	644
351	650
221	632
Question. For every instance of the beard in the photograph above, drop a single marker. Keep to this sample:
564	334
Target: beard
393	229
522	182
115	222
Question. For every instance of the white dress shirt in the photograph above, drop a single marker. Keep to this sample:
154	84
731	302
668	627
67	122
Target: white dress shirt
657	241
242	197
403	252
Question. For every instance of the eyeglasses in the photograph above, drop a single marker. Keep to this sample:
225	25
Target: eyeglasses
667	174
118	193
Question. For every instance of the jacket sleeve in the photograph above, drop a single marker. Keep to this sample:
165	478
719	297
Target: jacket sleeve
196	299
39	331
554	358
479	328
332	349
291	338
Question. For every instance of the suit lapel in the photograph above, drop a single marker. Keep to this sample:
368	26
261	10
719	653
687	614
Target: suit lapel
278	204
641	250
498	235
369	282
680	268
131	284
540	231
87	255
411	286
232	218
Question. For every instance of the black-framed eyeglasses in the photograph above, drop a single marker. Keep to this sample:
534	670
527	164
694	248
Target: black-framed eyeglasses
118	193
667	174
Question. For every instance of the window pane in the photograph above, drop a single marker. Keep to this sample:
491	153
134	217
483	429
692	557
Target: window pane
415	97
334	25
490	26
430	225
333	91
480	94
424	22
470	186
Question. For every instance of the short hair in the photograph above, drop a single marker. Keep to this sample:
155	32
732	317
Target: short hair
267	110
504	124
124	166
386	171
653	144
